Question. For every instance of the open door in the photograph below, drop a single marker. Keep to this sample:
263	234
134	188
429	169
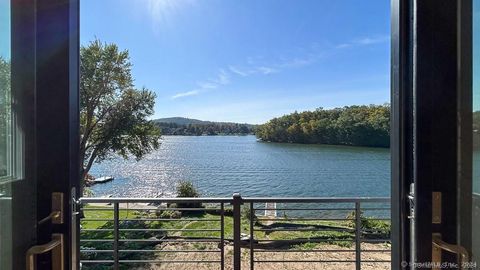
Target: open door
38	133
436	101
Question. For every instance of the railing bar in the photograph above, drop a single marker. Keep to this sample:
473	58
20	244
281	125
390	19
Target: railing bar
222	236
305	261
303	250
305	240
305	230
148	251
168	241
97	230
304	209
358	235
95	240
169	230
237	227
116	236
170	251
95	219
375	240
305	219
173	209
376	250
96	209
317	199
252	216
165	261
168	219
96	250
96	261
153	200
151	219
149	209
151	240
245	199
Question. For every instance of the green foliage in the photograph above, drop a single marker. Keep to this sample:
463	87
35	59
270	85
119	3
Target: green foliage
186	189
370	226
351	125
245	213
113	113
5	82
209	128
168	214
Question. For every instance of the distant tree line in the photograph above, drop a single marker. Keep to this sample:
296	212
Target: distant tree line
205	129
350	125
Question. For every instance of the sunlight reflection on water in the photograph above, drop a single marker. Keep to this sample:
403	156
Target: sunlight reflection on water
222	165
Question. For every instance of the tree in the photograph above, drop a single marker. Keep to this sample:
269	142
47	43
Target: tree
113	114
350	125
4	112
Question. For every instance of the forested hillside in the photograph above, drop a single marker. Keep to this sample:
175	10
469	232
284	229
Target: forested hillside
351	125
193	127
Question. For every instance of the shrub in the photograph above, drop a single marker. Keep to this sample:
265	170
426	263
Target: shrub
186	189
246	211
168	214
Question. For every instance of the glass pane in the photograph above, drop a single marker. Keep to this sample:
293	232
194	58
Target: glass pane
476	132
6	158
5	115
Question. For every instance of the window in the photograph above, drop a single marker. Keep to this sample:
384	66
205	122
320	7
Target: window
10	142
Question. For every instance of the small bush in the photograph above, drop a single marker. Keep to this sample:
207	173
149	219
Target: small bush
186	189
168	214
246	211
370	225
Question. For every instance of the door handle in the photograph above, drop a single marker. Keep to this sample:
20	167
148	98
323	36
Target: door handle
438	245
55	246
57	214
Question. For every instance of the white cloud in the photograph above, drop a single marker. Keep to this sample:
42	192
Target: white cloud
364	41
186	94
238	71
222	78
267	70
207	85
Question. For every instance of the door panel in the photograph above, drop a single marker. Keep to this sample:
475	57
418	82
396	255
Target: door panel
476	134
39	128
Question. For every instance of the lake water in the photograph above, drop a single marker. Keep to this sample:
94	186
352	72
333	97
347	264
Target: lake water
222	165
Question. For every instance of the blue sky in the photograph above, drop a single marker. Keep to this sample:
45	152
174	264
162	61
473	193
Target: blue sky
5	29
476	55
249	60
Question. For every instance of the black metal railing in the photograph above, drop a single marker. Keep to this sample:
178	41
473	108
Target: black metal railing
210	233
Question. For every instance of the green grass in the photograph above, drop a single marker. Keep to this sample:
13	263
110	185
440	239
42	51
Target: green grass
375	226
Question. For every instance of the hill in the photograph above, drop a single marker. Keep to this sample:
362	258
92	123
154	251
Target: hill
351	125
182	121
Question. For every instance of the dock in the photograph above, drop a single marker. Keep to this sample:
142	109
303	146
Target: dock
271	209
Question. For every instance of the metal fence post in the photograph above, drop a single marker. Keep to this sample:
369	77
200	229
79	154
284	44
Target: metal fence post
222	236
358	236
116	235
252	240
237	252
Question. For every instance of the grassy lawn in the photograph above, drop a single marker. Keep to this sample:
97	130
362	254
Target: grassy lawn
312	229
